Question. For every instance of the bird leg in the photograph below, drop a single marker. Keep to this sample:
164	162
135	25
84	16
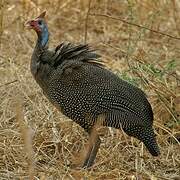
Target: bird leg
93	146
94	142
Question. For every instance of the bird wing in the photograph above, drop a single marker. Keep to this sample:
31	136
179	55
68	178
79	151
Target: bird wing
128	104
68	51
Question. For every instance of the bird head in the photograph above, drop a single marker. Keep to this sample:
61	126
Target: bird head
40	27
37	24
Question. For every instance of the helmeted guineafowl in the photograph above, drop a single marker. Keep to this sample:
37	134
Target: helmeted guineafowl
75	81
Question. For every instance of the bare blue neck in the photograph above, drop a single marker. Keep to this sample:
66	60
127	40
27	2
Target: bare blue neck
41	45
43	37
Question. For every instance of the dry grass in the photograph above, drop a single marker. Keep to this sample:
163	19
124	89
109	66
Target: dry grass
141	56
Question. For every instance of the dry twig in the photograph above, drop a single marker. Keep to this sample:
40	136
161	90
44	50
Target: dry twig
133	24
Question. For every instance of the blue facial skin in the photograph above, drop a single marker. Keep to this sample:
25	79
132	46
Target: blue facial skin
44	35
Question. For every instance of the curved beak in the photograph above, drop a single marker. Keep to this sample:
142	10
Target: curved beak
28	25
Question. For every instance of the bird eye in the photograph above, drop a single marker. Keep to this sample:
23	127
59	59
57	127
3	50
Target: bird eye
40	22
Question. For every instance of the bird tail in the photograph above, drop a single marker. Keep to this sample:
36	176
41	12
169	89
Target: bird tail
147	136
151	145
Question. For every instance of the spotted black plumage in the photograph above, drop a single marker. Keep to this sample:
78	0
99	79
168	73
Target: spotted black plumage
74	80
